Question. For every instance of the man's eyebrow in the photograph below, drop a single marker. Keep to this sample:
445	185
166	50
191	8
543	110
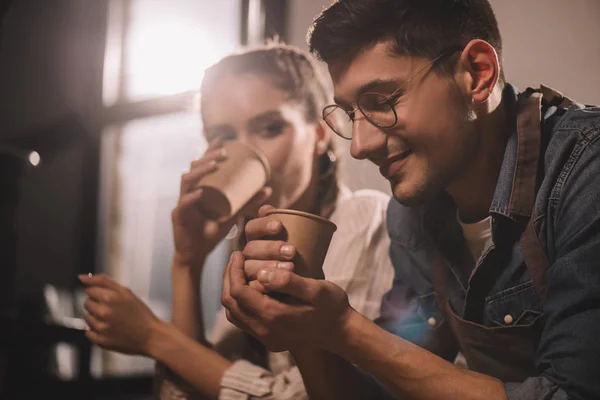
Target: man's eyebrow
372	86
379	84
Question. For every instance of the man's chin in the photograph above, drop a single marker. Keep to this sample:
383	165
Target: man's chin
410	195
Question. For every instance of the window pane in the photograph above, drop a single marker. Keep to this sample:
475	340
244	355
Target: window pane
169	44
140	187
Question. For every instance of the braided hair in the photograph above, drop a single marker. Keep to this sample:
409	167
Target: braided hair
296	73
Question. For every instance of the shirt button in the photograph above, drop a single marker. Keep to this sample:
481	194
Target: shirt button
431	322
508	319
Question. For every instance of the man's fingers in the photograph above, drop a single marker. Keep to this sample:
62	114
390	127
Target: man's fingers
235	273
251	267
256	285
236	314
284	281
262	212
100	280
225	295
243	294
269	250
259	228
238	318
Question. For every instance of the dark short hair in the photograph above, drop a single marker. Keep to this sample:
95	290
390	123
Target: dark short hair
285	67
422	28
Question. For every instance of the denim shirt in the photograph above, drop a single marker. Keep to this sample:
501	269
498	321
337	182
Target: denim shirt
431	261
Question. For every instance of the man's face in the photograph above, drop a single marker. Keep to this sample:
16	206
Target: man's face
434	139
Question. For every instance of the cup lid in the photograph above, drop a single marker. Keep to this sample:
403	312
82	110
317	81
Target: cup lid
302	214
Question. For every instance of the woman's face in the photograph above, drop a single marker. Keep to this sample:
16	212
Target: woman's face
249	109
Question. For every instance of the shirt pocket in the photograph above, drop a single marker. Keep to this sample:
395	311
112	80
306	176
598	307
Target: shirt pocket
519	305
428	310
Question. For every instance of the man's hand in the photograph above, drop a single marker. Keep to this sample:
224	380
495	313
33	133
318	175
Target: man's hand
117	318
313	315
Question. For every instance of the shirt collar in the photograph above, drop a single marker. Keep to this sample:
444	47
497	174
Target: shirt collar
516	186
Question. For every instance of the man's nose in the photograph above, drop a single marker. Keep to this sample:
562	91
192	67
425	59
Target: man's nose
366	138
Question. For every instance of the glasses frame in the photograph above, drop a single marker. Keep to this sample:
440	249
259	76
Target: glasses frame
390	100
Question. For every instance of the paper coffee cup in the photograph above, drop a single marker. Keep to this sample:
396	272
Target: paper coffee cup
310	234
235	182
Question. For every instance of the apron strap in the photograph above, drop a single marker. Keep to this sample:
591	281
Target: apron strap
529	131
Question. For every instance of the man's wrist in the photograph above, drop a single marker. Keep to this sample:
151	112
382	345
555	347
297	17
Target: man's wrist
349	334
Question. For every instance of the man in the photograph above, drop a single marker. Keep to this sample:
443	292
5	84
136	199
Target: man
495	225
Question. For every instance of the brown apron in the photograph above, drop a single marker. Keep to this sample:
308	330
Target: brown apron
508	352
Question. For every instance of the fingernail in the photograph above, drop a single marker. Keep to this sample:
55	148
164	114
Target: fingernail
285	265
273	226
212	164
223	152
287	250
265	276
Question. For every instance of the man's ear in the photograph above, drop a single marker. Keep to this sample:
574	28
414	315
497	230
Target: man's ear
479	61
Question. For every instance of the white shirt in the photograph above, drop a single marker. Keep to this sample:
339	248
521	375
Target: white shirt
477	235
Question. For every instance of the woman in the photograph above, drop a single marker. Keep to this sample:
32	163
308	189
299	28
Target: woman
270	97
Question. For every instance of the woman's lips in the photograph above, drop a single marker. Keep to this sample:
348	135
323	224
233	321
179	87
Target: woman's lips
392	165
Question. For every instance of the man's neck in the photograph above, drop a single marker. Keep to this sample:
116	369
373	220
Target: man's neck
474	190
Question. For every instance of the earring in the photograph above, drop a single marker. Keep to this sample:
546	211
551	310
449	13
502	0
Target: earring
331	156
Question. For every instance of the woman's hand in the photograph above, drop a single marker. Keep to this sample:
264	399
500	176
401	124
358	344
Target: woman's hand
194	234
118	320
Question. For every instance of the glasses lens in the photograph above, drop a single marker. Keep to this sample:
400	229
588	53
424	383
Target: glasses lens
338	120
377	109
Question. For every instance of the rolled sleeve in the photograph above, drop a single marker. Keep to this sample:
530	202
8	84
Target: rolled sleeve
242	381
246	381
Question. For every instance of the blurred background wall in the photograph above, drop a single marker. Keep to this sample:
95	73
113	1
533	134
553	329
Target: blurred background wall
103	91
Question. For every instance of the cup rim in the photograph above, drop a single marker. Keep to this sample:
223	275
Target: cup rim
302	214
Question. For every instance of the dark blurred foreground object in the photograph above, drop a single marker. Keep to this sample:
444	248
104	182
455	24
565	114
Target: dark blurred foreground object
4	5
36	315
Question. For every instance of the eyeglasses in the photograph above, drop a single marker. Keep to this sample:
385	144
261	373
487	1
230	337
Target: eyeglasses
378	109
